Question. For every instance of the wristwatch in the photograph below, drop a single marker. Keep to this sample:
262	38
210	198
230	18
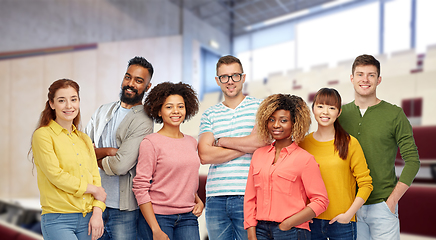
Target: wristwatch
215	143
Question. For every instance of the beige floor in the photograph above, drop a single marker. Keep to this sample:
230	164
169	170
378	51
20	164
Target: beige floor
414	237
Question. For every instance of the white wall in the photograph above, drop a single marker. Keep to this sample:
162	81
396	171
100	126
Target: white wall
99	72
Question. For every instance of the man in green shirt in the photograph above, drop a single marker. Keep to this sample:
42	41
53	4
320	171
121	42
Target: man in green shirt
381	128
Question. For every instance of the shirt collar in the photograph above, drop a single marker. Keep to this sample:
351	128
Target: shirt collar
58	129
370	107
288	149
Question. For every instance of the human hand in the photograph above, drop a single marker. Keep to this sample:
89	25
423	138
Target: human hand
253	237
160	235
95	225
341	218
285	225
391	205
98	192
251	233
198	208
99	164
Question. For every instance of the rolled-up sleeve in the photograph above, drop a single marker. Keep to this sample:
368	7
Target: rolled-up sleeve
250	201
314	187
96	179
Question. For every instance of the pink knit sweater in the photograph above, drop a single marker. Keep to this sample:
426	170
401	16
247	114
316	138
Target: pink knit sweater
167	173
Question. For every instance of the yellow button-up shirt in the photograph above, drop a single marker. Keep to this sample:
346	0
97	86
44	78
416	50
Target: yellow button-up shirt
66	164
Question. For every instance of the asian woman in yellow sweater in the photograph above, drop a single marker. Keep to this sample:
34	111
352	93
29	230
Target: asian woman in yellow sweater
342	164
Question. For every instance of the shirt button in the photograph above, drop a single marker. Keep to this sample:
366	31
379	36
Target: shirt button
82	175
80	164
360	124
77	154
358	133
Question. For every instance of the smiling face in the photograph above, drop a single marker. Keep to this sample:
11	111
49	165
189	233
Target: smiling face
135	83
280	125
324	114
365	80
66	104
173	111
231	89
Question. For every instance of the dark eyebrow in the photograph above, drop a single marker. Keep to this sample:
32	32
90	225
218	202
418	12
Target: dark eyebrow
134	77
368	73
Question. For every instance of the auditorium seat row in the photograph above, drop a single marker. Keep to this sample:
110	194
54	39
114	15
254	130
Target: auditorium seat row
11	232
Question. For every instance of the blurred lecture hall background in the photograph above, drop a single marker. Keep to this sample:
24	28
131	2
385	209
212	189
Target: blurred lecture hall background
286	46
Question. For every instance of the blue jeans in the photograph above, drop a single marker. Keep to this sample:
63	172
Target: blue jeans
120	225
270	230
377	222
225	218
182	226
322	230
65	226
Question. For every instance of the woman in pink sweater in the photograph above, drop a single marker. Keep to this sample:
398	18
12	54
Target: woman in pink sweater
166	180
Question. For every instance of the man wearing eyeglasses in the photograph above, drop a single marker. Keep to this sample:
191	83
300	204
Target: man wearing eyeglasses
227	140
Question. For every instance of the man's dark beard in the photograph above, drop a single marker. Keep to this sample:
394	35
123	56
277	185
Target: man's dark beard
137	98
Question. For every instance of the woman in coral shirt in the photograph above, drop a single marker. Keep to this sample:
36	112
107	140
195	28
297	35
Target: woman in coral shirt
284	186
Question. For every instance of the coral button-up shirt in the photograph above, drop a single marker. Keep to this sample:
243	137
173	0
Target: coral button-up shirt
277	191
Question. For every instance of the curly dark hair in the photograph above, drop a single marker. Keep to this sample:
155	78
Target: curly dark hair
299	111
157	96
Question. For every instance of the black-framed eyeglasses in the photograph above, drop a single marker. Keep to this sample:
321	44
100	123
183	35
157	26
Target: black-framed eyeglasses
235	77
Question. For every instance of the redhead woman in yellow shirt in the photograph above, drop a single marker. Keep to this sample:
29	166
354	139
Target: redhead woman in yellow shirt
342	165
72	199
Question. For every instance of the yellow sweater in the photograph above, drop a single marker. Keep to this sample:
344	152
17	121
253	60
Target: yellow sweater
66	164
340	176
